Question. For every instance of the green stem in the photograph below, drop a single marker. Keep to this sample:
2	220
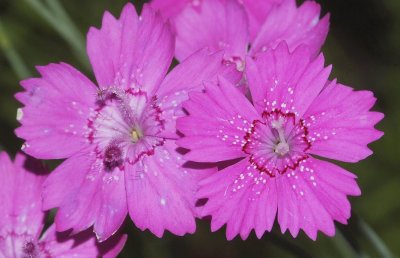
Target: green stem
374	239
289	246
12	55
344	247
56	16
59	11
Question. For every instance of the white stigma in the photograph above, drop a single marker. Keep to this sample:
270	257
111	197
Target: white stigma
240	65
136	134
282	148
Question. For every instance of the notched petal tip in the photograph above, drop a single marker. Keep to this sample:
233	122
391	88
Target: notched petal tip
312	235
107	20
113	247
92	32
325	21
282	46
129	10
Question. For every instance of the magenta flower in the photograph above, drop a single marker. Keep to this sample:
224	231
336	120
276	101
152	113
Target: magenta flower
295	114
233	25
118	138
22	219
256	10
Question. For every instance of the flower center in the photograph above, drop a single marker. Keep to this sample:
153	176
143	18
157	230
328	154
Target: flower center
136	135
124	126
282	147
277	143
238	61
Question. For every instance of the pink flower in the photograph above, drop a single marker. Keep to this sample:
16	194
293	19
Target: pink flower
256	10
22	219
118	138
295	115
233	25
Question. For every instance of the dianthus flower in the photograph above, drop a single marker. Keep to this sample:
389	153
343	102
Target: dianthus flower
233	25
118	139
22	219
295	114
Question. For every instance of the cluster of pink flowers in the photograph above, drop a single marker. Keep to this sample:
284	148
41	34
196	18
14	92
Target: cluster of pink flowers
251	95
23	219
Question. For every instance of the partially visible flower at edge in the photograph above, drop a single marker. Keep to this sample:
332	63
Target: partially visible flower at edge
22	219
256	10
118	139
233	25
295	113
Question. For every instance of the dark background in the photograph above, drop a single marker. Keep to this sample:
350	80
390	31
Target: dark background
364	48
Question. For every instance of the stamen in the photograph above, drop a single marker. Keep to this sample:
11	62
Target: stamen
282	148
29	249
112	156
278	126
136	135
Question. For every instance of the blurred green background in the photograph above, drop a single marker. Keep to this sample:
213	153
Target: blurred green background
364	48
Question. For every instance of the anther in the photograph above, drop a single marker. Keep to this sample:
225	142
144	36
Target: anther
278	124
112	157
136	134
282	148
29	249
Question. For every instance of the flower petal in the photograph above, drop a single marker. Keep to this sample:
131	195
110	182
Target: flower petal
161	192
286	81
257	12
341	123
56	109
295	25
132	52
217	122
186	77
20	206
240	197
85	195
81	245
309	198
216	24
169	8
314	195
